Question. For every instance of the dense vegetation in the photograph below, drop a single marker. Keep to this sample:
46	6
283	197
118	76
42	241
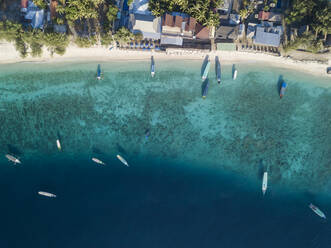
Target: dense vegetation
316	14
32	40
201	10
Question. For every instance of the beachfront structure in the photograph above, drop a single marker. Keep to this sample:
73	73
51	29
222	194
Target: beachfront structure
142	20
269	16
251	30
226	47
229	33
176	27
148	25
202	32
241	31
268	35
34	15
178	24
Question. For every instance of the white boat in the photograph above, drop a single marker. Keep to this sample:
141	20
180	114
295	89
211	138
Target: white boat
235	72
58	144
317	211
98	161
13	159
46	194
152	67
265	182
122	160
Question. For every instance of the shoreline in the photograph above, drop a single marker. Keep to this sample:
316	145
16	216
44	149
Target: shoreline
9	55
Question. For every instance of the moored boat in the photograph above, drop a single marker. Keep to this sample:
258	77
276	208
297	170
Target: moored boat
98	161
317	211
58	144
13	159
206	70
99	72
234	76
147	133
265	183
205	90
282	89
122	160
152	67
43	193
218	72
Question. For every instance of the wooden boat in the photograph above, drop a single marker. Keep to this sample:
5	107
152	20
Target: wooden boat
218	70
206	70
282	89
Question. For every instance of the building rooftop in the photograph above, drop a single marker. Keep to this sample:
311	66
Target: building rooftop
201	32
264	37
148	25
168	20
227	32
171	40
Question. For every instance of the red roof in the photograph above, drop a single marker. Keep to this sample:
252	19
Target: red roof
178	21
201	32
168	20
190	25
24	3
263	15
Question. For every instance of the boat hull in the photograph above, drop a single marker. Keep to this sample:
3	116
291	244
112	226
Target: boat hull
317	211
282	89
265	183
122	160
206	71
205	91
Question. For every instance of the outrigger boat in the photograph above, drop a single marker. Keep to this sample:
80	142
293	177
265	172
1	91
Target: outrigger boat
282	89
13	159
206	70
265	182
98	161
122	160
152	67
205	90
58	144
218	70
46	194
317	211
147	133
99	72
235	72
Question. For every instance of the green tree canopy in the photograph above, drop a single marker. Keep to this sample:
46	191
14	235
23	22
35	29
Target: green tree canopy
201	10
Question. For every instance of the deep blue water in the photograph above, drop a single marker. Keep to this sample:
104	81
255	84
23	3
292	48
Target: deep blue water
183	188
149	205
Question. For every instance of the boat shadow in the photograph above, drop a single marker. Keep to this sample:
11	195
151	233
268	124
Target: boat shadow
204	85
152	61
15	151
233	69
121	149
96	150
279	83
204	64
261	170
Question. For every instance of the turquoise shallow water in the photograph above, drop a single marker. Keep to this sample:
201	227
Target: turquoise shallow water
241	126
195	182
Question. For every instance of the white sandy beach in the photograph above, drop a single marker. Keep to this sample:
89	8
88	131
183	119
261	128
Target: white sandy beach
8	54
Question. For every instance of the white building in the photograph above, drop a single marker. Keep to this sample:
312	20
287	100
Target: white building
142	20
